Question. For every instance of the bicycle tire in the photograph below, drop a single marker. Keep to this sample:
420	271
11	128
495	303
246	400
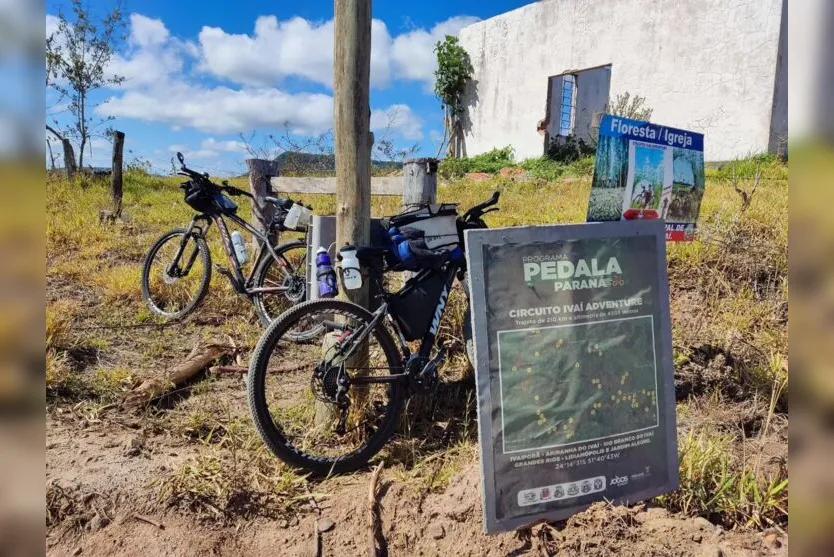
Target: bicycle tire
205	257
266	263
273	436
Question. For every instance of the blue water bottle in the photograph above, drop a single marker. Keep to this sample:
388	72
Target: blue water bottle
326	276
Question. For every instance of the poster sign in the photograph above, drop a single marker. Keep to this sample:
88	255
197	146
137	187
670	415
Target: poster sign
573	368
648	171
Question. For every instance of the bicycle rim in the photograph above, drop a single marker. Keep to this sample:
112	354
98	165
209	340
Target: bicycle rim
170	287
294	403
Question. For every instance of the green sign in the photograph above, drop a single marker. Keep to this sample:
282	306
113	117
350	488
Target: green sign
574	368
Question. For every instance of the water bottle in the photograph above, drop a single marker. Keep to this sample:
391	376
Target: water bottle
351	272
325	274
240	247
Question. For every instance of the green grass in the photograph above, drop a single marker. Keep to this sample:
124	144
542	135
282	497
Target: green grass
717	484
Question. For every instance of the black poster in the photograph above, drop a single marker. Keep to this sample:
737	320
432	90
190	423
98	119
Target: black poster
574	368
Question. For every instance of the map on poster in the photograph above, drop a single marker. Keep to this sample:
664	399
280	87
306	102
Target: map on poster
648	171
573	367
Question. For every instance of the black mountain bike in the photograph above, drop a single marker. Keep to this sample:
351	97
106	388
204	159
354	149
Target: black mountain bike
330	403
177	268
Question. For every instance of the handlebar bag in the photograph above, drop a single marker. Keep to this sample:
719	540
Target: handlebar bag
205	201
437	221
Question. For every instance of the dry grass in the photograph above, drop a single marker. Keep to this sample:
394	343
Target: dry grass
729	298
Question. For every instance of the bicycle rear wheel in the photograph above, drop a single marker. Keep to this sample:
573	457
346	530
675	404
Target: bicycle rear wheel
294	388
174	280
288	273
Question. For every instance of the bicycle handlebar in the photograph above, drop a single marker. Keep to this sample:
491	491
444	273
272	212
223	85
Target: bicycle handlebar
477	211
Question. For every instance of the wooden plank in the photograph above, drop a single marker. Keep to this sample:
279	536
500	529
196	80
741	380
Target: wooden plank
382	185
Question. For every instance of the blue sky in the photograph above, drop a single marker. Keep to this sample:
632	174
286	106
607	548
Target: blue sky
198	74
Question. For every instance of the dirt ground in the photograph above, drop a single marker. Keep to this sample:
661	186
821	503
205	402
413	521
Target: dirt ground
103	474
101	488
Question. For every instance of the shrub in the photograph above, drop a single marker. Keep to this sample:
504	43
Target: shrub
491	162
543	168
569	149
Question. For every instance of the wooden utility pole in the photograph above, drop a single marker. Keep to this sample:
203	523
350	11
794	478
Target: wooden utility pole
351	127
116	173
352	137
260	172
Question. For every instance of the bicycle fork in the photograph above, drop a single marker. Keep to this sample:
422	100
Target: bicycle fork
174	269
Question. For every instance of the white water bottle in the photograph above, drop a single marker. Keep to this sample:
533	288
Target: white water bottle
240	247
351	272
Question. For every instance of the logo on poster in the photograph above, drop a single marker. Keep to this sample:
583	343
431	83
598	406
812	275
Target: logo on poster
619	481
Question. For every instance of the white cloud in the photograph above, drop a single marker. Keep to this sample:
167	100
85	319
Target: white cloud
276	50
51	24
297	47
153	55
413	52
147	32
231	146
224	110
397	118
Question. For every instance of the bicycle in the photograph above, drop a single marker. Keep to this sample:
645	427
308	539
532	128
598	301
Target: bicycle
329	404
177	268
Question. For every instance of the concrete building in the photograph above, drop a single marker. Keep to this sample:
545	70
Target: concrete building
547	70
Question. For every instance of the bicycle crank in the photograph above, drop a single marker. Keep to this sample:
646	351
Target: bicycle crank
423	372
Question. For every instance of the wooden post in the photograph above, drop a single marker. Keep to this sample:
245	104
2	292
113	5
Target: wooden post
116	173
260	172
352	138
351	127
419	182
69	157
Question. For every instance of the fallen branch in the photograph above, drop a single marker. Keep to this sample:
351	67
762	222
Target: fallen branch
245	369
376	542
143	518
197	360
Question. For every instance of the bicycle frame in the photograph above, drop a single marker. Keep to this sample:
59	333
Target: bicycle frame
243	285
426	343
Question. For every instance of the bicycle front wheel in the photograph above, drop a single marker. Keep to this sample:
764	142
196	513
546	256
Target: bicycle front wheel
312	402
176	274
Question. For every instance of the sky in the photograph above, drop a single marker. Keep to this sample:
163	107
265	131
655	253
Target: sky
200	74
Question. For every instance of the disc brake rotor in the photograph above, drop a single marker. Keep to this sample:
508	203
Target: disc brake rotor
167	278
295	288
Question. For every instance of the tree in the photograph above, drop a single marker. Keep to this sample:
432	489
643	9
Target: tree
626	106
78	54
454	70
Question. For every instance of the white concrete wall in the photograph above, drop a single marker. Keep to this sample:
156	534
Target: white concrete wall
703	65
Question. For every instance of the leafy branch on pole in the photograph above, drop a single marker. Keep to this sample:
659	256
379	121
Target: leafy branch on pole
454	70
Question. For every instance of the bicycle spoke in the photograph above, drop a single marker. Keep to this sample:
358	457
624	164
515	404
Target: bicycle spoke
304	407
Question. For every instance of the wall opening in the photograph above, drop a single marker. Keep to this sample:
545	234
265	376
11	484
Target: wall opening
575	101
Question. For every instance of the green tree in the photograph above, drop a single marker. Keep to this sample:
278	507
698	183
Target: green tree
78	54
454	70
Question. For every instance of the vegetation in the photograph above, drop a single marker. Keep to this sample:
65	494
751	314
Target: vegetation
77	59
541	169
627	106
454	70
729	310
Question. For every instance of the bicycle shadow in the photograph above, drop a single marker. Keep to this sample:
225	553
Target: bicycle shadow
434	423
